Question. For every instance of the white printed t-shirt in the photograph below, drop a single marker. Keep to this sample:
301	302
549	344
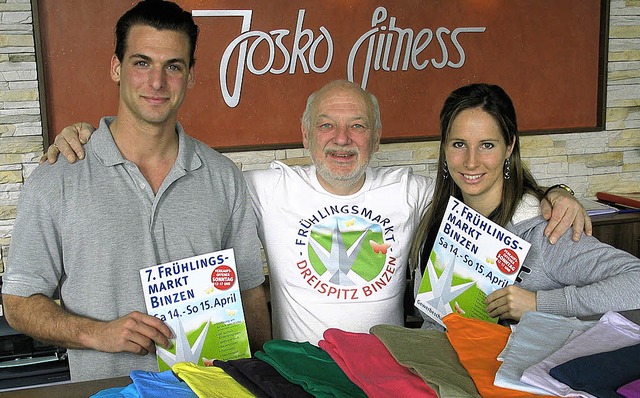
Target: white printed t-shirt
336	261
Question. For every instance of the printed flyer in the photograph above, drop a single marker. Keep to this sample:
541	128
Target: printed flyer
471	257
199	299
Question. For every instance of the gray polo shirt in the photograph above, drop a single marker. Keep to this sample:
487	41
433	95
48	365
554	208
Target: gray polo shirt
91	226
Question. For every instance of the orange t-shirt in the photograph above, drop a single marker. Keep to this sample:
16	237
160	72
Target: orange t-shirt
478	344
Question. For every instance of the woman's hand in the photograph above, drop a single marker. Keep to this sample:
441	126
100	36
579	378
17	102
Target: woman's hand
510	302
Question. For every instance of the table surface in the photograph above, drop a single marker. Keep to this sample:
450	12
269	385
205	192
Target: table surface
68	389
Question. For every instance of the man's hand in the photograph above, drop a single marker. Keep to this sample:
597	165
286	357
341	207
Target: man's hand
510	302
563	210
69	142
135	332
40	317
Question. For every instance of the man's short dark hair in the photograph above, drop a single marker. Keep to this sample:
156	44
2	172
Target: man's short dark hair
159	14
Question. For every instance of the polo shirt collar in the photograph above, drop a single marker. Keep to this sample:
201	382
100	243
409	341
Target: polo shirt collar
108	153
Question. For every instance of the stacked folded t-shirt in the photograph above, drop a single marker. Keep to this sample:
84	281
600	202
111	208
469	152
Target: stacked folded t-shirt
543	355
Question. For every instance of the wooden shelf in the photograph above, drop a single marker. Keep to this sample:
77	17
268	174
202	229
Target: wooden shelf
621	230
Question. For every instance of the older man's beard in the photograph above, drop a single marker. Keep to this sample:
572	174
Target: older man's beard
341	180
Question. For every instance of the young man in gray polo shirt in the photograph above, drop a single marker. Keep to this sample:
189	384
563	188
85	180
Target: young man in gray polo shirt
146	194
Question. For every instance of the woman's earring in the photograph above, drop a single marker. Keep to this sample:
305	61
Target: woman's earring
507	168
445	170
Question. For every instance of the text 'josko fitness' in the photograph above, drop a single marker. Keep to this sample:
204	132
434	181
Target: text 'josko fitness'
387	47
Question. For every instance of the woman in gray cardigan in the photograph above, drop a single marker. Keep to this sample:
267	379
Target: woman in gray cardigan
480	164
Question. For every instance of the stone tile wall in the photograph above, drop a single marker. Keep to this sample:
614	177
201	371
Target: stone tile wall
588	162
21	141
